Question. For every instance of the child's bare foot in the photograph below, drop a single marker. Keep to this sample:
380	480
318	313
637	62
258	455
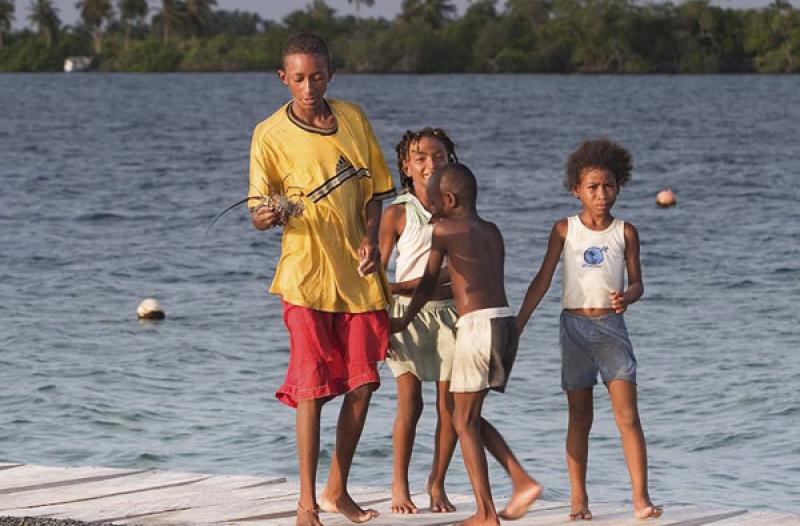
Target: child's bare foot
648	512
439	501
521	500
401	501
580	512
307	517
345	505
476	520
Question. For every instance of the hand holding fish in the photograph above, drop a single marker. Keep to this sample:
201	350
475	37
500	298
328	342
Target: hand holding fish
265	217
273	209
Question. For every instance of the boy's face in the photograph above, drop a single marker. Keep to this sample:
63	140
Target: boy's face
436	201
442	202
597	190
424	157
307	76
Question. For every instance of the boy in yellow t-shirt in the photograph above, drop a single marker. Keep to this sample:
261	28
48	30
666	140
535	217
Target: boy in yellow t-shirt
323	153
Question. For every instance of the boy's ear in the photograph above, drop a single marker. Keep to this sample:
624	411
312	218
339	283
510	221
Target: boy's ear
282	75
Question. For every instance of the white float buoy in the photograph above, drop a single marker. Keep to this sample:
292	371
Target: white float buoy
666	198
149	309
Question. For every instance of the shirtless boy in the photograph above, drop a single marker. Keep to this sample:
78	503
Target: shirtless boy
486	340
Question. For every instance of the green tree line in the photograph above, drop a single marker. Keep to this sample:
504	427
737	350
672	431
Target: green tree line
427	36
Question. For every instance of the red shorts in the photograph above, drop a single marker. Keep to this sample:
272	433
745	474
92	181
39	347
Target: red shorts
331	352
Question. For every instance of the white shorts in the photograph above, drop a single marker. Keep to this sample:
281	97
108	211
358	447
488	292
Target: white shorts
486	346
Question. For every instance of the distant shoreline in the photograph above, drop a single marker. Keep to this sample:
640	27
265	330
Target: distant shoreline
560	37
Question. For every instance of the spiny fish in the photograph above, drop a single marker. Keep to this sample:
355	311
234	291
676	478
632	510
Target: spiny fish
276	201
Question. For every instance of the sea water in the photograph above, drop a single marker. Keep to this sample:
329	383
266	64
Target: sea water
109	183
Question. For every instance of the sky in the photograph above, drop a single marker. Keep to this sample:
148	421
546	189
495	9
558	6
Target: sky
277	9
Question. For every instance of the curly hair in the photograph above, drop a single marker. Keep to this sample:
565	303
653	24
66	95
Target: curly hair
410	138
600	153
306	44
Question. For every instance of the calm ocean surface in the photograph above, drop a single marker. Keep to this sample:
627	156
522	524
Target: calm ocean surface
109	181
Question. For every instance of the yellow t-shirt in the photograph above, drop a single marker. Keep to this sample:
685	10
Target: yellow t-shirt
335	173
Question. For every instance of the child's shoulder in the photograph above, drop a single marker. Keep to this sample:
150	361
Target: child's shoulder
447	226
277	120
394	211
630	232
486	231
561	227
626	225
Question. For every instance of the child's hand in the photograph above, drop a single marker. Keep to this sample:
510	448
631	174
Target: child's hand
369	257
396	325
618	303
264	217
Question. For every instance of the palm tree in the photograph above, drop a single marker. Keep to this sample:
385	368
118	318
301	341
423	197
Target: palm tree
6	16
45	17
94	13
368	3
198	13
433	13
780	5
172	15
131	11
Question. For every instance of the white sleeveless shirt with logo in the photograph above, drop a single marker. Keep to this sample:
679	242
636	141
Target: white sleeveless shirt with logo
594	264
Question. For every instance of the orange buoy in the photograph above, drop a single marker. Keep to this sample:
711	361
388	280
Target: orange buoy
666	198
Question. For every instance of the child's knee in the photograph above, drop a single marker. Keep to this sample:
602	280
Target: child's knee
362	394
627	418
444	407
461	425
465	421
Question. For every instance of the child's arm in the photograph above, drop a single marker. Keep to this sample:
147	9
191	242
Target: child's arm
262	166
620	302
544	277
391	228
427	284
368	252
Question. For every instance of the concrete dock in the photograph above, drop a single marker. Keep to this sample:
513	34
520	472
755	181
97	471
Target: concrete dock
152	497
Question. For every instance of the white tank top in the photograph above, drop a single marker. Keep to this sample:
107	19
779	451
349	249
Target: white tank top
414	244
594	264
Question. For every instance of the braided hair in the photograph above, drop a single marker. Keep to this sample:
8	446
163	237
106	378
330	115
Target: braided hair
410	138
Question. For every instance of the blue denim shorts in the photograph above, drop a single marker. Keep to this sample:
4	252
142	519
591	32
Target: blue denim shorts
592	345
